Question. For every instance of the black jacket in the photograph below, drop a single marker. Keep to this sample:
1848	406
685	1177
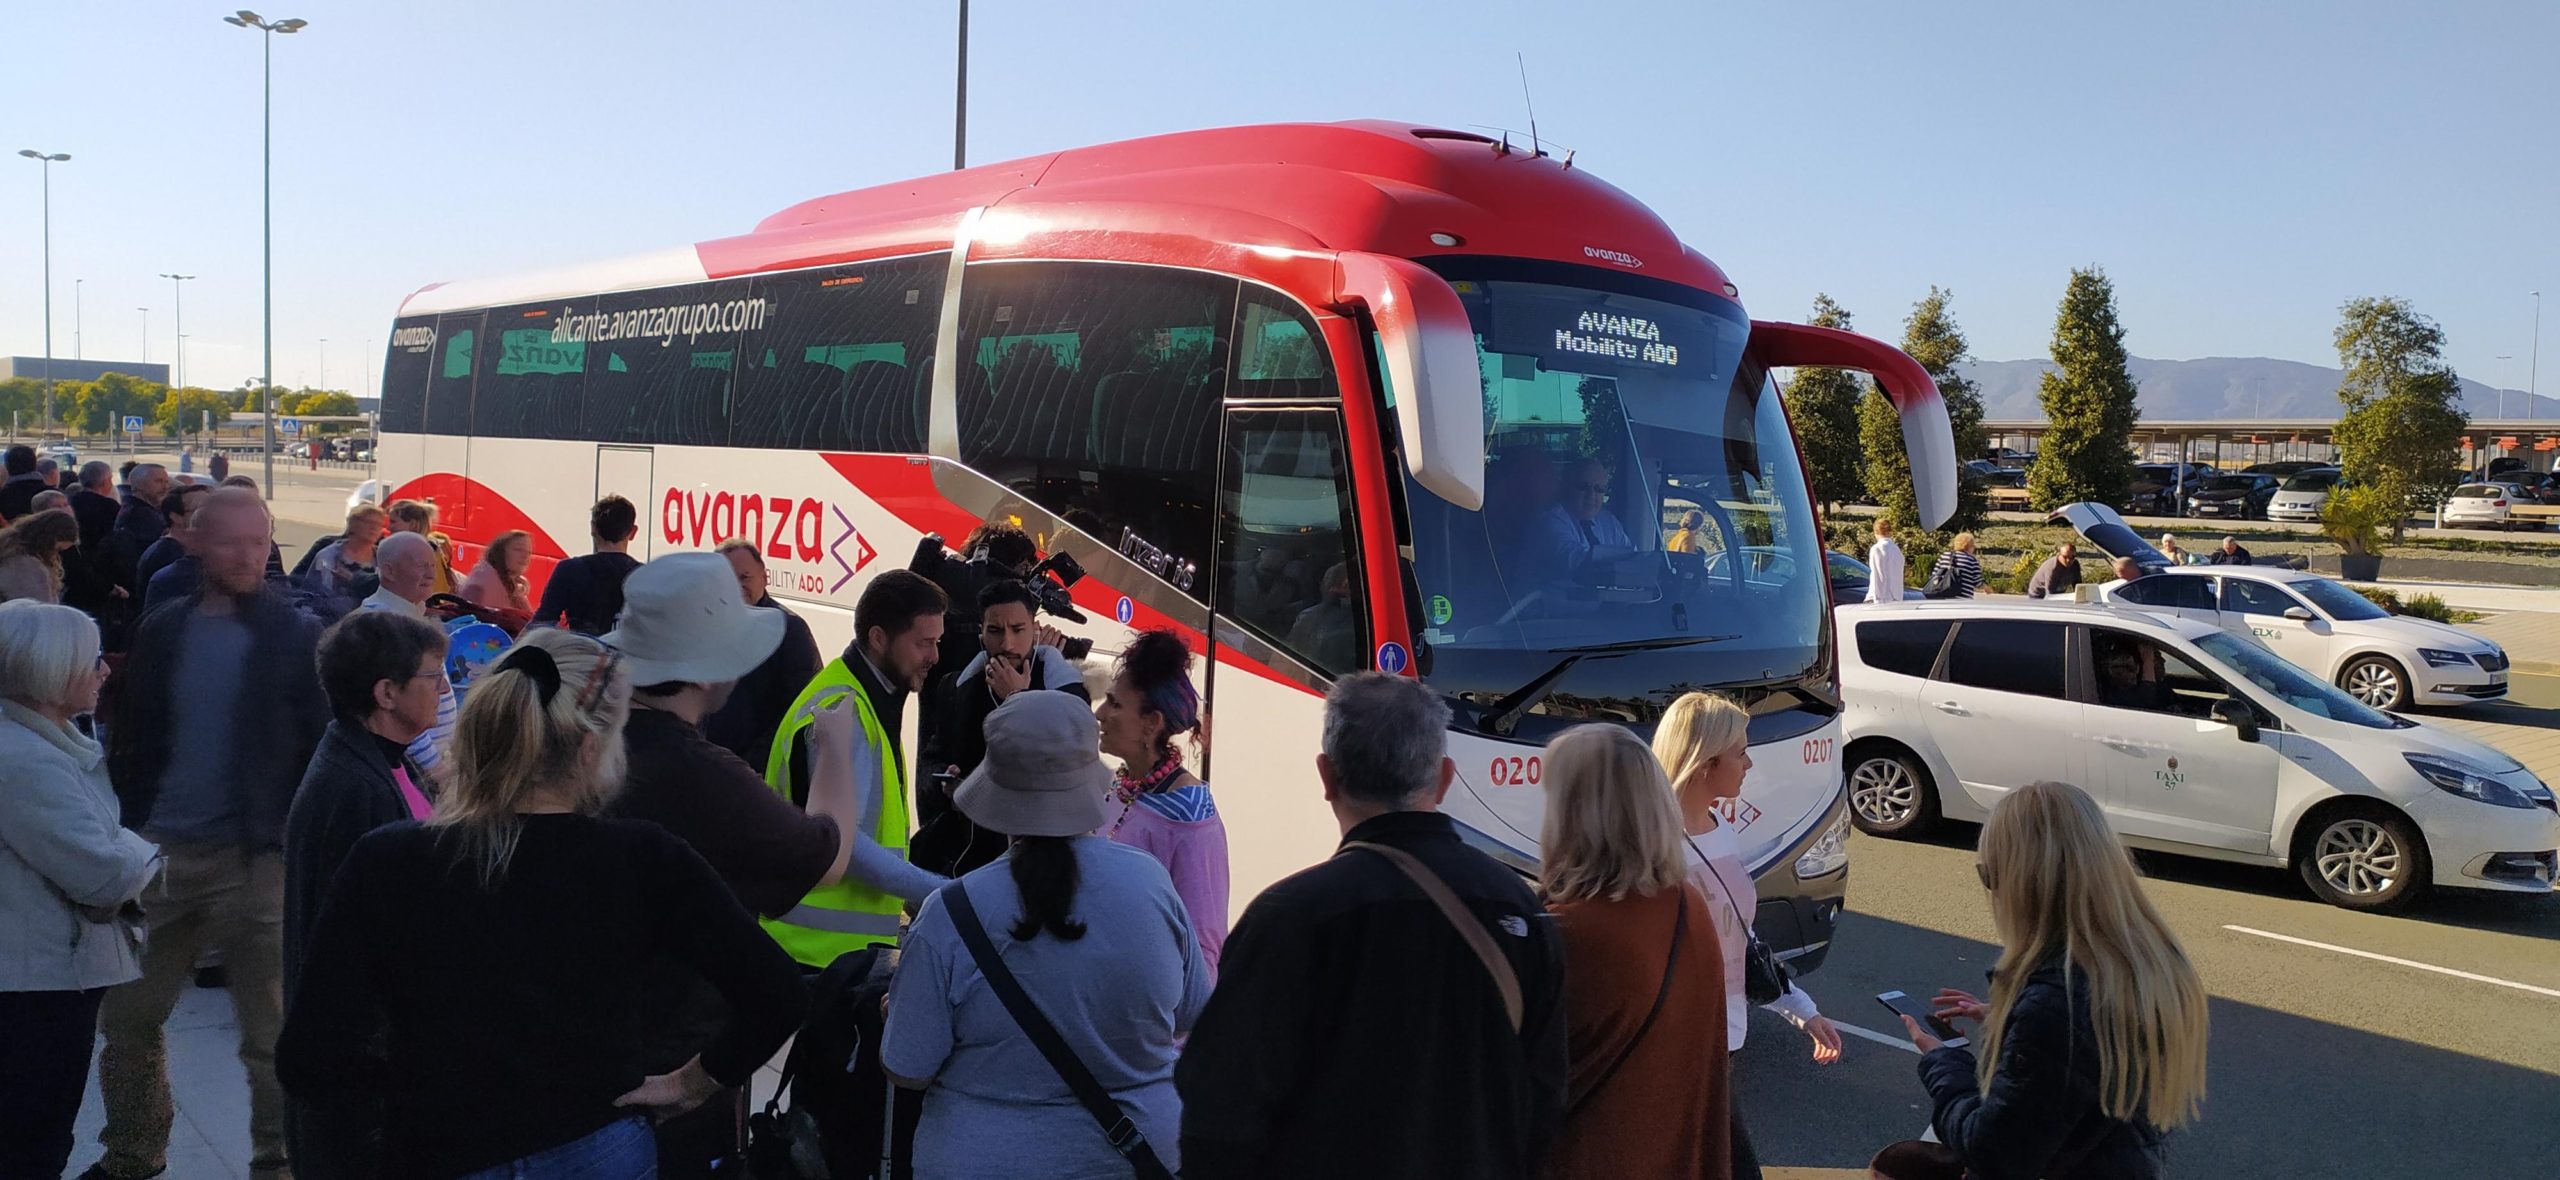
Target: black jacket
276	707
746	725
1353	1032
2042	1117
347	792
85	580
2239	555
17	496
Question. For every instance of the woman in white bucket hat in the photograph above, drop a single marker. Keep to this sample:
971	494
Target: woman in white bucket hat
1094	936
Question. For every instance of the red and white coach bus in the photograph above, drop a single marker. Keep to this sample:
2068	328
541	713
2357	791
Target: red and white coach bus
1310	394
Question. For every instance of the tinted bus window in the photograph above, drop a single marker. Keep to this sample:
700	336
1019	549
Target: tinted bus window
404	375
839	362
529	378
1278	351
1093	390
659	363
1285	563
450	374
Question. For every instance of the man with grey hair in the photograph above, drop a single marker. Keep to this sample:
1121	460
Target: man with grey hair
406	565
1409	974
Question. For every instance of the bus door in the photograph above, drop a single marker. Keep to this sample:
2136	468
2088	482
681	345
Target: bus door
1292	618
630	472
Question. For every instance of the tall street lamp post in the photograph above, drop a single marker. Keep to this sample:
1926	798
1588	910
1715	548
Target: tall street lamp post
267	216
47	160
178	377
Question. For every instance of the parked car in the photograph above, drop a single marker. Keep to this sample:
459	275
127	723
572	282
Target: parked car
2384	660
2157	486
64	456
368	492
2005	477
2194	740
2237	497
2302	495
1849	577
2283	467
2475	504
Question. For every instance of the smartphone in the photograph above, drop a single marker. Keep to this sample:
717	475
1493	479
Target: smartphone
1900	1004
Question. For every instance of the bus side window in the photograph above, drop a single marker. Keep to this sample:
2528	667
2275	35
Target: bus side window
659	363
449	380
1286	562
405	373
1093	390
1278	352
837	365
525	373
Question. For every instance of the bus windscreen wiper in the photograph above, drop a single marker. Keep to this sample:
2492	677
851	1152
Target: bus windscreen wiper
1505	714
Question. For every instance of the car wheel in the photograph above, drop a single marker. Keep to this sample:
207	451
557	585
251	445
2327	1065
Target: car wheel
1890	793
2377	681
2365	857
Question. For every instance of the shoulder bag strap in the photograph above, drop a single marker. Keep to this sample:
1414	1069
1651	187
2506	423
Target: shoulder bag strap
1122	1133
1463	919
1670	967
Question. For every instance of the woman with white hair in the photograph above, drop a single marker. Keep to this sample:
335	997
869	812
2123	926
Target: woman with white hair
1647	1087
69	873
1701	744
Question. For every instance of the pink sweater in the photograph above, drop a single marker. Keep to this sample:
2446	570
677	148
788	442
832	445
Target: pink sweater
1181	829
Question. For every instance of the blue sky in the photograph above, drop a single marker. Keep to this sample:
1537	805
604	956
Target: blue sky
2239	169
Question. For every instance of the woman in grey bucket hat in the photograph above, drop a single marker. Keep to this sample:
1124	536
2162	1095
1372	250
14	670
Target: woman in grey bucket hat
1092	930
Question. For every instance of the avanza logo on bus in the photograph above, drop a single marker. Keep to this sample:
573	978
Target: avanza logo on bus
786	529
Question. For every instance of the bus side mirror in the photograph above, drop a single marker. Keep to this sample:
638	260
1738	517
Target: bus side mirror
2237	714
1427	352
1928	438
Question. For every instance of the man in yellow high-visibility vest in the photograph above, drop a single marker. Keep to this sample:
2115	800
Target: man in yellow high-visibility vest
897	637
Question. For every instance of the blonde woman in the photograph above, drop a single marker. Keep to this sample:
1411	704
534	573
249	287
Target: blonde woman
1701	745
499	953
1647	1084
1958	572
2093	1040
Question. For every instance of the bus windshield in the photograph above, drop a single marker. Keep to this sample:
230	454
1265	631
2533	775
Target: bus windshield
1644	507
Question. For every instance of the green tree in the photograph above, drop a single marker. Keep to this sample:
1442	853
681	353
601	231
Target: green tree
2402	421
1932	338
105	402
326	403
183	411
24	397
2088	401
1823	404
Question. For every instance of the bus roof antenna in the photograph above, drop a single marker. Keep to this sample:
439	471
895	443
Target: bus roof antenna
1525	100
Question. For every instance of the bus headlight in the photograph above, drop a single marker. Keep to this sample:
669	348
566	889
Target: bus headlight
1827	855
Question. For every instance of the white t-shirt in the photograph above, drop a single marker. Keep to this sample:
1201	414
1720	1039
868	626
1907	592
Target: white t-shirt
1715	866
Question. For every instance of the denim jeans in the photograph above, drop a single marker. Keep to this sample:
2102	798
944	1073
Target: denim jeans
624	1150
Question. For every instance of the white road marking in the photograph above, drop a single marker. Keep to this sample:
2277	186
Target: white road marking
1902	1043
2348	950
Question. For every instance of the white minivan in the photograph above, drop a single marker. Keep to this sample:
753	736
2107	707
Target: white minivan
2194	739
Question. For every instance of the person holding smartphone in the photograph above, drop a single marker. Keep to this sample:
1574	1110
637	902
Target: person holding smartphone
1700	744
1016	654
2092	1041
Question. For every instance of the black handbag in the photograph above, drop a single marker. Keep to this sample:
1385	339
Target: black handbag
1764	976
1942	579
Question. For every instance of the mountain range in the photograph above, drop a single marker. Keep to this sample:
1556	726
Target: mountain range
2226	387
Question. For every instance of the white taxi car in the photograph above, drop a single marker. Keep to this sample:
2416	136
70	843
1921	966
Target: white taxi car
2385	660
2195	741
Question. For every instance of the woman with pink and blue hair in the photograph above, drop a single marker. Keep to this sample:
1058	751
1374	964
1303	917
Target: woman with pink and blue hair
1157	804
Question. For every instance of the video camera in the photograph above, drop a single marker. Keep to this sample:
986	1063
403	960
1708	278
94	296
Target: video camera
962	576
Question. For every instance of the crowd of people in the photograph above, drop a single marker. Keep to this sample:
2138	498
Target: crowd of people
550	920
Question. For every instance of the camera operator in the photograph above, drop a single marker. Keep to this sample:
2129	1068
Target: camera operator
1017	655
996	550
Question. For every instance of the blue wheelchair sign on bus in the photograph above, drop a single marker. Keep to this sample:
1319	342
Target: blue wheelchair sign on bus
1124	610
1391	658
133	424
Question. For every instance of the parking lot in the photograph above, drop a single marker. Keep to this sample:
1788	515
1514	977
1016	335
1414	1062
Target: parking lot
2344	1044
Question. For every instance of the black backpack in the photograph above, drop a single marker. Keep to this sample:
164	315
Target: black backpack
844	1121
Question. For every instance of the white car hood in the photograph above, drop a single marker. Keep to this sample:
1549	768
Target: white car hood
2424	633
2420	738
